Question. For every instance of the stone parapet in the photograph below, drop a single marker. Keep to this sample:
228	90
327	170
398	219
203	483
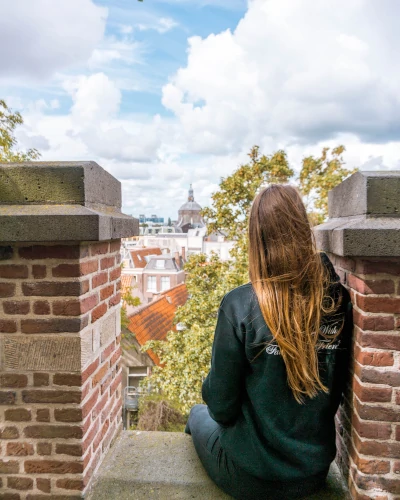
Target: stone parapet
363	242
60	354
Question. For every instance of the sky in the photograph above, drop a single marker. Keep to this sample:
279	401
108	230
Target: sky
165	93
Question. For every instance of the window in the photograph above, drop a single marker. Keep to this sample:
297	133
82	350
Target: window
151	283
165	283
160	264
136	374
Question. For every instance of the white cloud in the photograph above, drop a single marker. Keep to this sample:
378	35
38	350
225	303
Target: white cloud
42	36
297	71
162	25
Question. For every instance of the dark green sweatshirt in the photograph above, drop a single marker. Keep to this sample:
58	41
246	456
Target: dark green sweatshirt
266	432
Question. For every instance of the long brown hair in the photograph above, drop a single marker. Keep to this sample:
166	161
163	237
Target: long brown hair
291	283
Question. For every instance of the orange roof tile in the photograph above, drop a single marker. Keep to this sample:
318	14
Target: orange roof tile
138	255
126	283
155	320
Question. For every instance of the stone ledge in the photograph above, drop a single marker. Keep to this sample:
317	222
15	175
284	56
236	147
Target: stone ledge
360	236
164	466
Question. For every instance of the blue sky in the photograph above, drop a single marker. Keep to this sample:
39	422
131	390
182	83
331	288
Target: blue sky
164	93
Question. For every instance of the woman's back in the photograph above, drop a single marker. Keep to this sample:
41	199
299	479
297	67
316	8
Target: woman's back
268	432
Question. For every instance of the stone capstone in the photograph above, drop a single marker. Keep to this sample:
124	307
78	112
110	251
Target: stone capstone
61	201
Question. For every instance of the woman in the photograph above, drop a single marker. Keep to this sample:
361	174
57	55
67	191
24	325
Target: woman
279	362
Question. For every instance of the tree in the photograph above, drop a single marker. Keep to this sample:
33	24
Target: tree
318	176
9	120
169	222
185	356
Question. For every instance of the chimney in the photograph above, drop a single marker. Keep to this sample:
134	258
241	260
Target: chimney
177	259
184	254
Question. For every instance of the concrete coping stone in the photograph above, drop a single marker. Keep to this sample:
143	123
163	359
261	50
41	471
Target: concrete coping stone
61	201
370	193
165	466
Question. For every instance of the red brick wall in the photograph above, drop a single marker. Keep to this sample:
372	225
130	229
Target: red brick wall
60	373
368	423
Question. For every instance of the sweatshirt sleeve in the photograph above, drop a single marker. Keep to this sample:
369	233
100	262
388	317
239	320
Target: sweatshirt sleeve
223	388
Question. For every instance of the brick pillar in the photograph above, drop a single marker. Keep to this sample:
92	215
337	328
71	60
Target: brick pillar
60	370
362	238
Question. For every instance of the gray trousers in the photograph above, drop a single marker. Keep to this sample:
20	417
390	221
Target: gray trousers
228	476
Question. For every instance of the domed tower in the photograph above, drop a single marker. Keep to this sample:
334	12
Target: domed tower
189	214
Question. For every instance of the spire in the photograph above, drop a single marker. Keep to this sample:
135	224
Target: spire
191	194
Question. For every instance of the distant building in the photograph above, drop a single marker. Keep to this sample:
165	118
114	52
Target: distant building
152	271
189	216
156	220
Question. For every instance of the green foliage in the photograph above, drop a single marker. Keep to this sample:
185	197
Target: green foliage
169	222
186	355
127	300
158	414
318	176
9	120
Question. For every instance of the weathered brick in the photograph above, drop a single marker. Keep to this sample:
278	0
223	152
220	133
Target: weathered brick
20	483
98	312
89	404
7	397
69	379
89	437
7	290
13	380
40	379
118	285
107	262
13	271
389	341
373	466
97	410
99	279
372	394
18	415
116	356
115	246
106	292
376	358
100	435
32	496
105	384
20	449
116	411
41	307
38	271
377	413
53	325
373	323
114	301
37	396
55	288
10	496
39	252
43	484
99	248
8	326
379	304
6	252
391	267
108	437
70	484
93	465
74	450
75	307
89	370
68	415
66	271
43	415
115	273
16	307
52	467
43	449
370	286
9	467
53	431
89	267
100	374
108	351
374	376
9	433
115	384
